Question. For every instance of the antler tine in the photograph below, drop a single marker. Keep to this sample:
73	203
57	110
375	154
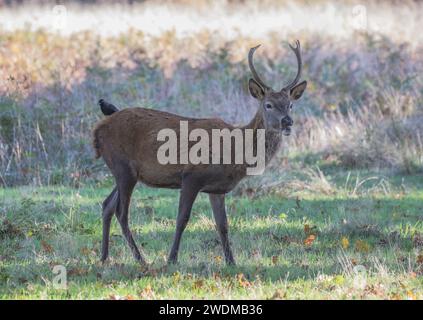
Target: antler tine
253	70
297	51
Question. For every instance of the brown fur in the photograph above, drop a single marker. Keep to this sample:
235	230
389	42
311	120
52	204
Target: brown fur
132	134
127	141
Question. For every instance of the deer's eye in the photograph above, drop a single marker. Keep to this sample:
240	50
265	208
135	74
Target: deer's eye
268	106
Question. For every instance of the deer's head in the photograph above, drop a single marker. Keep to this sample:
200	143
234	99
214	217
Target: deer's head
277	105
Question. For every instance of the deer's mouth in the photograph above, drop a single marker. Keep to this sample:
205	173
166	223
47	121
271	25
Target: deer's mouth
286	131
286	124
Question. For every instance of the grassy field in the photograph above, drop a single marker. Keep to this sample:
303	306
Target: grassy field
311	245
338	213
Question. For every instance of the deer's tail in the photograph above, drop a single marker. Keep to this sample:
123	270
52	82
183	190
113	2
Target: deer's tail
96	142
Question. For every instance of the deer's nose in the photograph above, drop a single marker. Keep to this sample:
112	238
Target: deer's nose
287	121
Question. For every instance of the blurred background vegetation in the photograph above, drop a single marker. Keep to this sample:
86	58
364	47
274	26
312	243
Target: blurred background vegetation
343	195
362	109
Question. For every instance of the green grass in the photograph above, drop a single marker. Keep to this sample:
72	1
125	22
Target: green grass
382	234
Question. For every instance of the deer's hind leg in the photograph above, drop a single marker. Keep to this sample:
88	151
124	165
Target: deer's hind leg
126	181
109	208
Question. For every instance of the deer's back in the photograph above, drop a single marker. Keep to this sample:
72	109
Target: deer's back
130	136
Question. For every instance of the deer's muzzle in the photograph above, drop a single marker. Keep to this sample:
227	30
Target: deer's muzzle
286	124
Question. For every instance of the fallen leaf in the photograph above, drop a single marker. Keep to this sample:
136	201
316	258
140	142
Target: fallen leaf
242	281
46	247
411	295
218	259
198	284
395	296
309	240
345	242
362	246
147	293
375	290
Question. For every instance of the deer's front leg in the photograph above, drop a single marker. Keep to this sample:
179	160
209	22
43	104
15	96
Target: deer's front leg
189	192
218	205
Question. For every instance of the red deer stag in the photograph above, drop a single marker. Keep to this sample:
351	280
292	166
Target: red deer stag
128	142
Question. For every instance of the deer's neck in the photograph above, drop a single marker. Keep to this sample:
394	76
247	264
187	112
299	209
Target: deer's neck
272	139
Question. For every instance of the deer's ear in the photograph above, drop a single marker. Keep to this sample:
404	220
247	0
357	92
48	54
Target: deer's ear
298	90
255	89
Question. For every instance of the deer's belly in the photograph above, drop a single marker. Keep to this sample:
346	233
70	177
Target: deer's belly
222	184
161	177
213	179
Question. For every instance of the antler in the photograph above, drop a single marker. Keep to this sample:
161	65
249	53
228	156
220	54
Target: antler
297	51
253	70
